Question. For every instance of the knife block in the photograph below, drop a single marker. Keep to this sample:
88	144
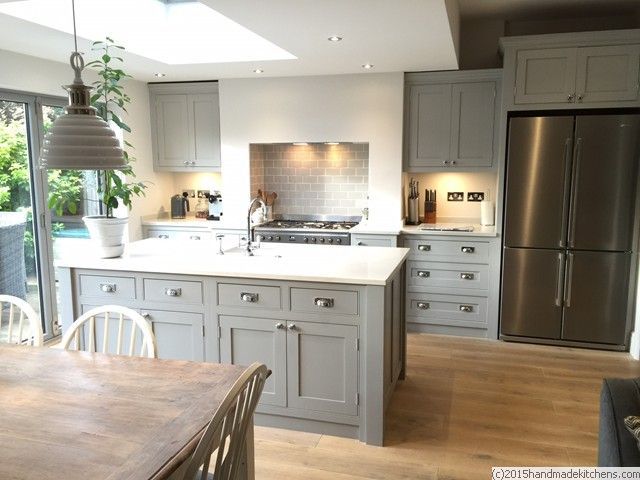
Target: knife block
430	212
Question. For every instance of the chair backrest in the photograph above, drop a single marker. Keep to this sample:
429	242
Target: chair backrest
123	332
19	323
226	432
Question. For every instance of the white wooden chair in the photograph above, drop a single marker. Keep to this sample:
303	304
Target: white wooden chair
22	323
128	325
227	431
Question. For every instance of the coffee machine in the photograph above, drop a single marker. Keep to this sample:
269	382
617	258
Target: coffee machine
215	206
179	205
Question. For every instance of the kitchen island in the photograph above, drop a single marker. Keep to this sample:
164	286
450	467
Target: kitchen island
328	321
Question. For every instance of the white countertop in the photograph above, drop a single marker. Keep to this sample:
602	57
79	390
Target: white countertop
307	263
478	231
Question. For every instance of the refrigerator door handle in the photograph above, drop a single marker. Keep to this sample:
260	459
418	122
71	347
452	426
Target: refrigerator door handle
574	191
568	281
567	192
560	280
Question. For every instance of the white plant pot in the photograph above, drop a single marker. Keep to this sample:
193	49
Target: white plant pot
107	234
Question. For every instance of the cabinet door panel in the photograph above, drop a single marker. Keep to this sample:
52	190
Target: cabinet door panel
430	124
545	75
608	74
204	116
178	334
322	367
596	297
246	340
472	116
172	130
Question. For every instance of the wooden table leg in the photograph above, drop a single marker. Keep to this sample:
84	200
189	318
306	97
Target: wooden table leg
248	460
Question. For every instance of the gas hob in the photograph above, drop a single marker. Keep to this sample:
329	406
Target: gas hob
323	230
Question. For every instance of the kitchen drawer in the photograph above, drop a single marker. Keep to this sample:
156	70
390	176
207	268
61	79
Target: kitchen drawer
172	291
178	234
447	275
457	310
312	300
107	287
260	297
373	240
448	250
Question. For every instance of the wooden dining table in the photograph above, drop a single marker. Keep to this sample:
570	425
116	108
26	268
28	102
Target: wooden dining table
77	415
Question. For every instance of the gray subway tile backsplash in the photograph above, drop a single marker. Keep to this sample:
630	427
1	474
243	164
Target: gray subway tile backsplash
312	179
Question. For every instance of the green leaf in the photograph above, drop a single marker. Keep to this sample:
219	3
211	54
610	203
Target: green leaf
73	208
106	58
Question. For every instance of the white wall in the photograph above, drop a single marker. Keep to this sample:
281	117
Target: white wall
347	108
38	76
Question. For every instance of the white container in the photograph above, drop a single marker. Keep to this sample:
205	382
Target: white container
107	234
487	212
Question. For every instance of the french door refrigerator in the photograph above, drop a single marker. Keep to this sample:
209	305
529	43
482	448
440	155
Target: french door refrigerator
569	220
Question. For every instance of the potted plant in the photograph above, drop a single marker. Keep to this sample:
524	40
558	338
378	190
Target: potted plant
110	101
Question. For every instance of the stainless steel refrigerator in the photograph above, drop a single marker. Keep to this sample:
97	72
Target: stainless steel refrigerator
568	232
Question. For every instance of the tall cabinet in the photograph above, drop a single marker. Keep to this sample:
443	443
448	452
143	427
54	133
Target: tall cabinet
185	126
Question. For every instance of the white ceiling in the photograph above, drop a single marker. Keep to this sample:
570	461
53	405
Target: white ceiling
520	9
406	35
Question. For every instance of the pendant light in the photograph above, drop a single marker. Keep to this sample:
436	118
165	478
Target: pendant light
79	139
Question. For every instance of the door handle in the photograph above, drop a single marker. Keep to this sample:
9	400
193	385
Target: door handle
568	281
323	302
466	308
559	279
567	195
574	192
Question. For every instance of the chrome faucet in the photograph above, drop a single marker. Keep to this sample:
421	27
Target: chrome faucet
249	250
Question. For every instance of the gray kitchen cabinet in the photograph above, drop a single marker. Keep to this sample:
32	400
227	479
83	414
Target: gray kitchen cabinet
606	74
450	119
185	120
245	340
322	367
546	75
373	240
179	335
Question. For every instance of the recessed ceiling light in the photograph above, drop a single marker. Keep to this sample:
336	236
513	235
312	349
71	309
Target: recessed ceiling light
160	75
334	38
258	70
332	143
300	144
367	66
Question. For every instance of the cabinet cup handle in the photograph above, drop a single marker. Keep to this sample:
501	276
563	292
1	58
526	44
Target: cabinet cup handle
194	237
466	308
467	276
323	302
468	249
423	305
424	273
279	326
186	162
424	248
108	287
173	292
292	327
360	244
249	297
163	236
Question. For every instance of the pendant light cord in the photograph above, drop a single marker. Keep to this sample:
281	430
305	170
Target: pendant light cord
75	36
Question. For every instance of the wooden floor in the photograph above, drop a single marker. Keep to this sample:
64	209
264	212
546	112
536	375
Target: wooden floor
466	405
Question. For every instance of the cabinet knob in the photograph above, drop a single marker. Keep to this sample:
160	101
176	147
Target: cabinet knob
468	249
194	237
279	326
571	97
424	273
173	292
424	248
108	287
423	305
249	297
580	97
323	302
292	327
453	162
466	308
467	276
445	162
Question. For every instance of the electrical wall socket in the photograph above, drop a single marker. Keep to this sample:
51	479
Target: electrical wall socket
475	196
455	196
189	191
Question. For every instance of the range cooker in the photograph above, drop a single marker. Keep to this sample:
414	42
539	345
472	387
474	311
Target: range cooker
318	229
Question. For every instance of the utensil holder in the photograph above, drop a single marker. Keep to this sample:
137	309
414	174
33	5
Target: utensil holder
430	212
412	217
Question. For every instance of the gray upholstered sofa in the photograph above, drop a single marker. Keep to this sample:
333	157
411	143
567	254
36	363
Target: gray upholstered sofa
13	275
619	398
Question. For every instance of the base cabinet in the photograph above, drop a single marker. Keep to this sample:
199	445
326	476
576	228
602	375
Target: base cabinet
178	334
314	366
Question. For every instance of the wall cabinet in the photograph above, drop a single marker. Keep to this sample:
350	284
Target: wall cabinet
577	75
450	119
185	120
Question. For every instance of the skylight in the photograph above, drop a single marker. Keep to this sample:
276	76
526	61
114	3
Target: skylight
173	33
